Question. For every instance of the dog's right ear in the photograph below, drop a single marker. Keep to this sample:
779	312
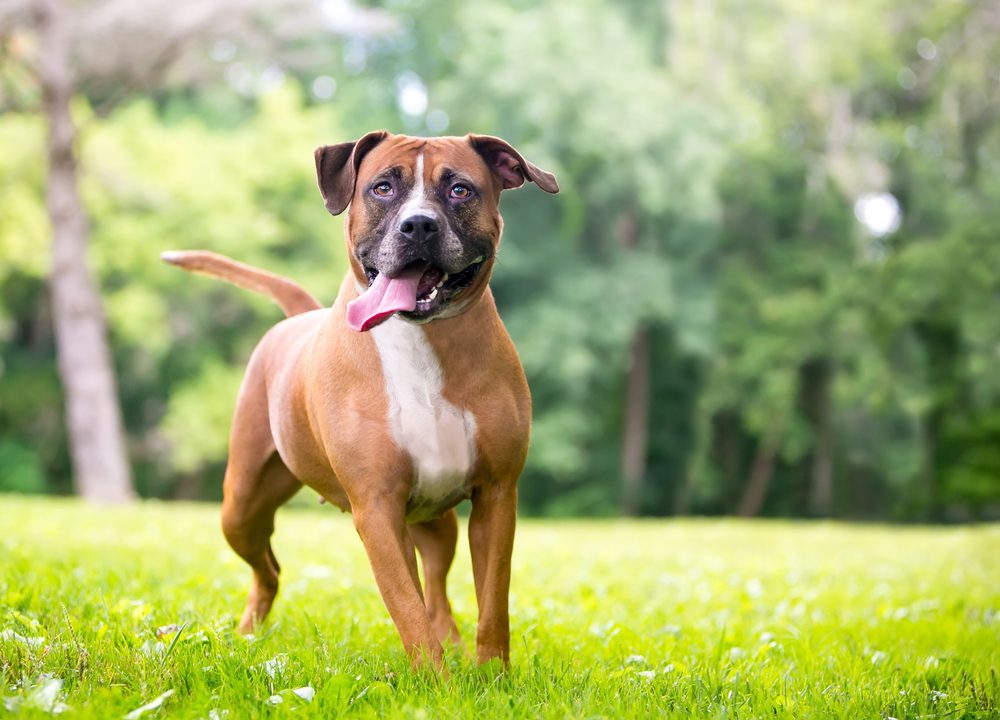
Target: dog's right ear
337	169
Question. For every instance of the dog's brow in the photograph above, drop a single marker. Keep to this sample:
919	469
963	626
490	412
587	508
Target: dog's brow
448	175
395	172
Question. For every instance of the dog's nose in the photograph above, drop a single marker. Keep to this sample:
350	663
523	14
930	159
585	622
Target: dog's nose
419	228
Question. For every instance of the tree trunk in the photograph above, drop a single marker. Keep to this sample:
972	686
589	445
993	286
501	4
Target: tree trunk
727	448
635	430
816	378
635	439
760	478
697	460
821	494
93	418
942	344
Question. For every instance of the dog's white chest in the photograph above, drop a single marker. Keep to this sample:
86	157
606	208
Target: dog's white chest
439	437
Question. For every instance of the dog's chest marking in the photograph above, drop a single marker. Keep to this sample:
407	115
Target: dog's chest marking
439	437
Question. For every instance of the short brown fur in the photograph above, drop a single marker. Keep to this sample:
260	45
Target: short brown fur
313	410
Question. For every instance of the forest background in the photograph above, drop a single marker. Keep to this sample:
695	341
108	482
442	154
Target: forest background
769	286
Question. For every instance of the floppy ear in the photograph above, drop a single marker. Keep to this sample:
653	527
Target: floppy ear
509	166
337	169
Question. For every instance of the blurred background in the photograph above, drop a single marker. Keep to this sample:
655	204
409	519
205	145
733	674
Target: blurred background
769	286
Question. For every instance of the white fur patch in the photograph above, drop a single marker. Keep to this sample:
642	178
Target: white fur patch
439	437
416	203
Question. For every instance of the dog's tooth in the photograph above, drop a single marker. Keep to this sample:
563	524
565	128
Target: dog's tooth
442	280
433	294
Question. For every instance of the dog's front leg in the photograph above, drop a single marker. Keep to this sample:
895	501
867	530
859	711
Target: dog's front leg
491	540
381	523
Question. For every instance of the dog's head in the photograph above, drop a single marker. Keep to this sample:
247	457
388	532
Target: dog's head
423	211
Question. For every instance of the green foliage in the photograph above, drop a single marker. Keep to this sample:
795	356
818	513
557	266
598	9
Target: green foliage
609	619
23	223
22	471
710	158
181	342
970	458
197	419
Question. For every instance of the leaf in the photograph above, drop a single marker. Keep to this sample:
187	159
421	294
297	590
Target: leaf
164	630
18	638
275	665
173	642
45	696
154	704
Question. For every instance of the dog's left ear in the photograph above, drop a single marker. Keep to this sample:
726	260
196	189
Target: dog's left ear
509	166
337	169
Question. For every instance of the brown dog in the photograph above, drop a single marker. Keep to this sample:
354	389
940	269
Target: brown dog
405	397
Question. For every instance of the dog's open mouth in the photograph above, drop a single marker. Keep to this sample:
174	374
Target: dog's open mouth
437	288
418	293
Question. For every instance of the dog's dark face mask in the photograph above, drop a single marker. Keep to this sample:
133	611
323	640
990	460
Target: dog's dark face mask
424	224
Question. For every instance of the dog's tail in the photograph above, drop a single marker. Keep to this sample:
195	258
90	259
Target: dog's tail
290	296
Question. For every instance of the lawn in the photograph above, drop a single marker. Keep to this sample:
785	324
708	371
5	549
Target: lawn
690	618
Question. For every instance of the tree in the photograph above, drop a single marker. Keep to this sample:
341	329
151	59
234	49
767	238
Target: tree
111	50
93	417
587	289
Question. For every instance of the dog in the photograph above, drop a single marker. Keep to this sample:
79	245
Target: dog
402	399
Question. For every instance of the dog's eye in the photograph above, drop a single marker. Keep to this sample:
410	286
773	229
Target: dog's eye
460	192
382	190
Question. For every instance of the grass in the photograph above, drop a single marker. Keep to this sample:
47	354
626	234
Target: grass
692	618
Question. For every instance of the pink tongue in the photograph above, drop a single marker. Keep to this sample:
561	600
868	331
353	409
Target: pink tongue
385	297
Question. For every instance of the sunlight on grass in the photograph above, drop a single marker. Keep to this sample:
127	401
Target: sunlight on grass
107	612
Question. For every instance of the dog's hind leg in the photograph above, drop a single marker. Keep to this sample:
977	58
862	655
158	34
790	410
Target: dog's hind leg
436	540
257	483
251	498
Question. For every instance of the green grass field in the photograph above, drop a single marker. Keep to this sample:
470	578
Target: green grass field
693	618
